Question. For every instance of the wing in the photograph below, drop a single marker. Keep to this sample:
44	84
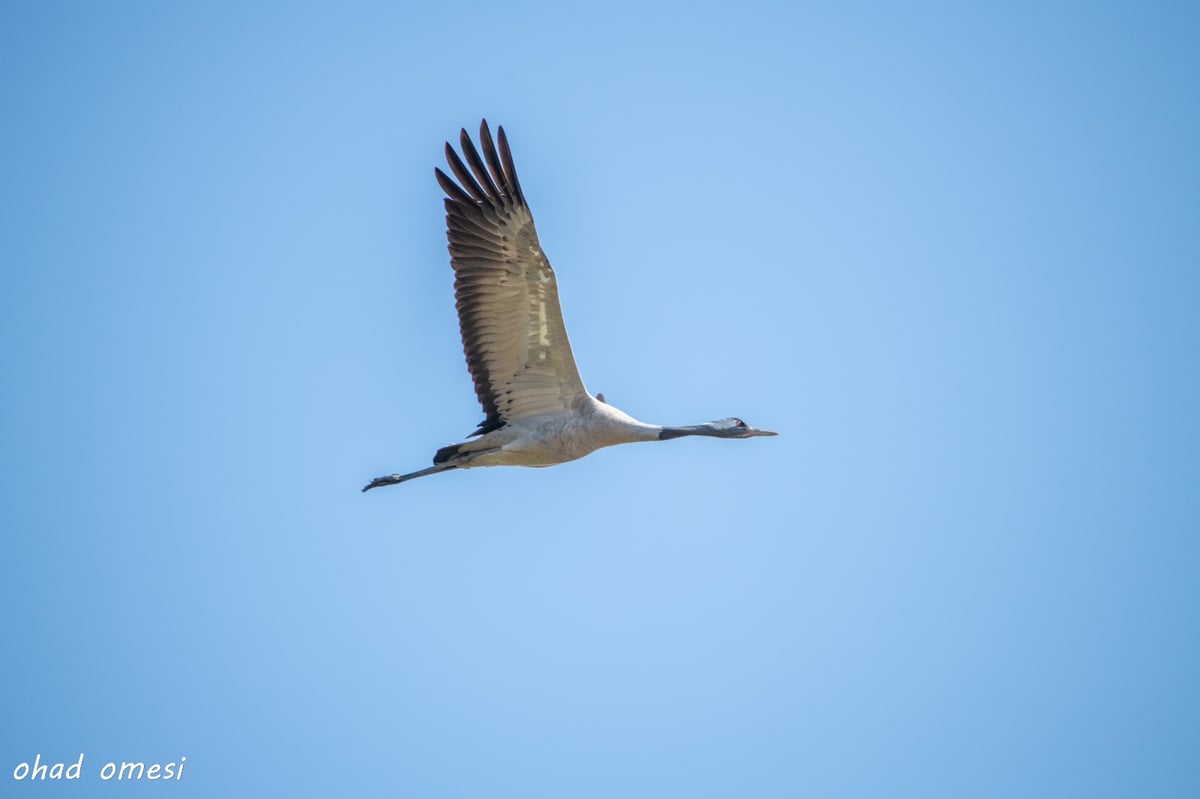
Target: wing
507	298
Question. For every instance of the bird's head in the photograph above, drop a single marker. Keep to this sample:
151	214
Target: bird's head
734	427
731	427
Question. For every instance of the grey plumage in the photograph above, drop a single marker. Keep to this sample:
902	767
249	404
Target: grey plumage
537	411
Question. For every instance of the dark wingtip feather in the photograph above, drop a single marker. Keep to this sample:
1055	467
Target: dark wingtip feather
464	175
452	189
472	155
489	152
510	171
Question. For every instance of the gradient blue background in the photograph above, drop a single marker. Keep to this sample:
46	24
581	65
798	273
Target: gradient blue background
952	255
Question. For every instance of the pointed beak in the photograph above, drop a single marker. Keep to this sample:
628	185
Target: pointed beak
754	431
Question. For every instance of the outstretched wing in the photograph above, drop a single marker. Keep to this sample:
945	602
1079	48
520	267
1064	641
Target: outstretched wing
507	298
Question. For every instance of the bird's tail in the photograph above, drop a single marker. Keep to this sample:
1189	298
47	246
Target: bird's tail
446	453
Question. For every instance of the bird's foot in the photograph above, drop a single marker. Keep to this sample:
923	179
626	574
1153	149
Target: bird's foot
386	480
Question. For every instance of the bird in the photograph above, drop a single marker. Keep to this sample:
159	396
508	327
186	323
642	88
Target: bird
537	411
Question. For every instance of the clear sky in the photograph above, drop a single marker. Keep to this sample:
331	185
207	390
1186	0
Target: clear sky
951	254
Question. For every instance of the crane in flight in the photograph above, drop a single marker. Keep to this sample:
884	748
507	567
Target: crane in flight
537	411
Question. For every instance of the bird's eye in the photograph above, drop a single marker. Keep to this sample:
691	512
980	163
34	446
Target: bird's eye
739	423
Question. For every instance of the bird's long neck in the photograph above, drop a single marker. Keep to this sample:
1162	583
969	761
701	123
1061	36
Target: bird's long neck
625	428
667	433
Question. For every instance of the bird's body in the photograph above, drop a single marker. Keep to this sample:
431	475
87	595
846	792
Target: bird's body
557	437
538	411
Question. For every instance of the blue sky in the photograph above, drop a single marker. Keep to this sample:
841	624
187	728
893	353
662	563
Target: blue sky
951	254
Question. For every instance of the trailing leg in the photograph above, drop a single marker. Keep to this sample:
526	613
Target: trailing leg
392	479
